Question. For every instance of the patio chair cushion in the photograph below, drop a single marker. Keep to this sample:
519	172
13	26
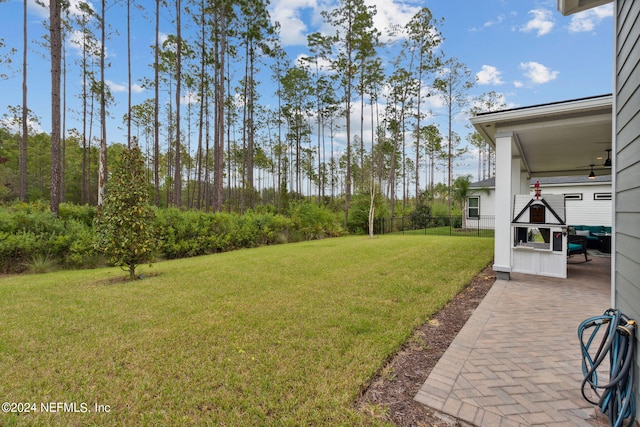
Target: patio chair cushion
575	247
577	244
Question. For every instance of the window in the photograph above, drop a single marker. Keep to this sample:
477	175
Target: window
573	196
537	238
536	214
602	196
474	207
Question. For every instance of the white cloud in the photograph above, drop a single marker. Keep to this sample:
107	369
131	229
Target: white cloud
498	20
542	22
538	73
298	18
162	37
76	41
15	126
41	7
288	13
323	64
489	75
115	87
518	84
189	98
489	23
40	10
589	19
391	14
75	10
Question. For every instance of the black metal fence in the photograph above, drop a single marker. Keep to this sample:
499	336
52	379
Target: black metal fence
482	226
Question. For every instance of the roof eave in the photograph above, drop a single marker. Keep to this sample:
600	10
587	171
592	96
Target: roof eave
485	123
569	7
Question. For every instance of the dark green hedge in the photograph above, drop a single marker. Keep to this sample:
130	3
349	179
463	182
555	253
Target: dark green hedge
28	231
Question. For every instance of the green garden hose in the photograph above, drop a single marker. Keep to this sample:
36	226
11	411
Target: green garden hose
616	398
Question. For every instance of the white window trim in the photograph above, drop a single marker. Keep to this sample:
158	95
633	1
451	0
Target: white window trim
469	207
573	196
601	196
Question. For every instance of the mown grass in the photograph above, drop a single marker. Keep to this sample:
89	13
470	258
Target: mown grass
279	335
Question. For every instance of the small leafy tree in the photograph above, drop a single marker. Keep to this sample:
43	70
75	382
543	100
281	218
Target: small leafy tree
421	216
461	192
125	229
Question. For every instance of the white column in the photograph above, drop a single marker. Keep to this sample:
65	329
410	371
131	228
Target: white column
525	181
505	187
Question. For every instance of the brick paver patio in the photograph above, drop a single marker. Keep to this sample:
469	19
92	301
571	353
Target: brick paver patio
516	362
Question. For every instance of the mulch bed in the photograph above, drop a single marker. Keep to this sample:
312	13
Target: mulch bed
390	395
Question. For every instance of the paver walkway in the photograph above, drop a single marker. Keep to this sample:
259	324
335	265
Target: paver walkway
516	362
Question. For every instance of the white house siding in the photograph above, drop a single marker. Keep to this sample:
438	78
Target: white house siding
627	162
587	211
487	211
487	203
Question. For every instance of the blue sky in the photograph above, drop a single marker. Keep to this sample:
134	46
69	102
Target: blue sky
522	49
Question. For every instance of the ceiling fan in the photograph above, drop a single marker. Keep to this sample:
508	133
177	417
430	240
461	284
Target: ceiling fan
605	164
592	173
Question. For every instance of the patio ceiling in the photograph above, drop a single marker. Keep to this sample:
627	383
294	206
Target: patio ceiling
558	139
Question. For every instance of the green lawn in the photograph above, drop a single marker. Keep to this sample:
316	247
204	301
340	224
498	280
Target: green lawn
278	335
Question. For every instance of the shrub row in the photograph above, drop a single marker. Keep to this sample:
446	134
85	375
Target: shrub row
29	232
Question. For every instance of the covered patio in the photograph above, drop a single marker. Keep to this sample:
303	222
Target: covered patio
557	139
517	361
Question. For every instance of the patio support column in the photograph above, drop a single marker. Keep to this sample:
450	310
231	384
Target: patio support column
505	188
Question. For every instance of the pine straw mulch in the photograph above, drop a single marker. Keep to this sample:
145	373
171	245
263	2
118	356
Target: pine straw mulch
390	395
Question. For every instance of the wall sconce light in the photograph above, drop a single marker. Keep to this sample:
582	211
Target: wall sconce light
592	174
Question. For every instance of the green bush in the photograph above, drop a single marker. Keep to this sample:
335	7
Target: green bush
82	213
81	252
358	222
420	216
30	232
15	249
193	233
179	231
31	235
311	221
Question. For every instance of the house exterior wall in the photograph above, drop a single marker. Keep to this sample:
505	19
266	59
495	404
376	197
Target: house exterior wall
627	164
587	211
487	202
487	210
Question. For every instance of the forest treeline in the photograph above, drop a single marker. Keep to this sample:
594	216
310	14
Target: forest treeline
346	119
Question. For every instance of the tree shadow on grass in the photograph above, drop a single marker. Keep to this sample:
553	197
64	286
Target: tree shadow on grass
124	279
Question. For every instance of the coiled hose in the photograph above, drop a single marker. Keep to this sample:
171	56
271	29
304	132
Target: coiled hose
616	398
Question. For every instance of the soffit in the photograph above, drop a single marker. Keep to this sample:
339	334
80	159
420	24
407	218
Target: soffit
555	139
